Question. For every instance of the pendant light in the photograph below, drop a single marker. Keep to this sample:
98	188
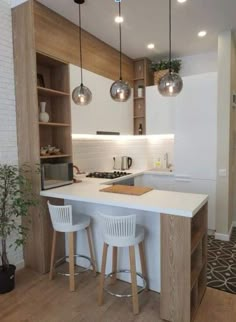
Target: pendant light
81	94
120	90
171	84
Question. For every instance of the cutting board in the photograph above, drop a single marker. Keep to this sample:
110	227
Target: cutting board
127	190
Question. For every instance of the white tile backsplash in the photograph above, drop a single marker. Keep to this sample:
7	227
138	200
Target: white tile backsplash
97	154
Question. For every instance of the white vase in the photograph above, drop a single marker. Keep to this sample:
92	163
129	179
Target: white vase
43	115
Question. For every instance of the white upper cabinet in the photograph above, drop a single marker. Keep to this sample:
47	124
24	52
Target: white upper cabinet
196	127
160	112
102	114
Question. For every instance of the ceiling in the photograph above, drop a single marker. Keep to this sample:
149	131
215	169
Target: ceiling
146	22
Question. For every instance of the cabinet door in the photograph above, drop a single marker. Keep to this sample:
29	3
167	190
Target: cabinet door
196	127
160	112
202	187
159	182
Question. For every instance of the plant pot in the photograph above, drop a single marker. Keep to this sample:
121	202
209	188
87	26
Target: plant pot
7	279
159	74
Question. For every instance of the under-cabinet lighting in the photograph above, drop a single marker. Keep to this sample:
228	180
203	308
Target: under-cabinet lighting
121	137
182	1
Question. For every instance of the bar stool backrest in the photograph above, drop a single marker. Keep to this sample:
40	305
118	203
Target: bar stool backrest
119	226
61	216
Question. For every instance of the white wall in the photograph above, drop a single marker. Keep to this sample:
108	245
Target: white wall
102	114
199	64
15	3
97	154
8	139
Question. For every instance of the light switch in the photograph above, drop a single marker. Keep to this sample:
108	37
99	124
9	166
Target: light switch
222	172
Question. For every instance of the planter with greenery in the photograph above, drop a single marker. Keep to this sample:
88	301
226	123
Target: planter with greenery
161	68
16	198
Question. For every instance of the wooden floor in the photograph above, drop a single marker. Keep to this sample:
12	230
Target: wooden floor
36	299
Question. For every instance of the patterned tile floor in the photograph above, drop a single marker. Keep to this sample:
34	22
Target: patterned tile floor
221	267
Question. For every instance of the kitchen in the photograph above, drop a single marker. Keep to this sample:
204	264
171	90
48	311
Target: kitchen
177	147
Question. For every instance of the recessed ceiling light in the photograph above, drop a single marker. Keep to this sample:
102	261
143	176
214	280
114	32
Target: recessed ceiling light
119	19
150	46
202	33
182	1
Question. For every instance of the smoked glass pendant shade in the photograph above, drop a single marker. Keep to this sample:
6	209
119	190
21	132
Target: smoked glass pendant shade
82	95
170	85
120	91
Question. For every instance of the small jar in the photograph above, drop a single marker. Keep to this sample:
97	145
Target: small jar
140	91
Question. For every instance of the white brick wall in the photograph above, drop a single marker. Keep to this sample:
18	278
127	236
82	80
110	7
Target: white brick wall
8	141
97	154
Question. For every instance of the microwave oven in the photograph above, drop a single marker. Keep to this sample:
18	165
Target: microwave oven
56	175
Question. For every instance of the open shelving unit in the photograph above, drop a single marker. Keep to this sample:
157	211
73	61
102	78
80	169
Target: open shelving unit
56	94
184	265
142	77
198	259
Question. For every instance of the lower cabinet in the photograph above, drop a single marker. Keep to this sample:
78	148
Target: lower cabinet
183	184
155	181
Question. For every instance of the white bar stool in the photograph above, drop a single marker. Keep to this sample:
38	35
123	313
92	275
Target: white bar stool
122	231
64	221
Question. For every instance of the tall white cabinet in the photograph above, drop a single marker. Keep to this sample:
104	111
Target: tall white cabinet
160	112
192	117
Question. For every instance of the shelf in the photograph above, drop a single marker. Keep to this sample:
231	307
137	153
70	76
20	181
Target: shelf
138	79
55	156
196	239
51	92
139	98
196	272
54	124
139	117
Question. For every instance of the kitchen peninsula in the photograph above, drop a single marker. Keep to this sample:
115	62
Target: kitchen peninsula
176	237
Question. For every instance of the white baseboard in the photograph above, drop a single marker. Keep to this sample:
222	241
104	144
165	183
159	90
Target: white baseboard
226	237
223	237
20	265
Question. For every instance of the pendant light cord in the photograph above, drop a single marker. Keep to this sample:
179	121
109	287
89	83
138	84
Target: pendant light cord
80	44
170	40
120	42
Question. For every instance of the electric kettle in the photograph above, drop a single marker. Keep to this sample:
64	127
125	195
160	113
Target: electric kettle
122	163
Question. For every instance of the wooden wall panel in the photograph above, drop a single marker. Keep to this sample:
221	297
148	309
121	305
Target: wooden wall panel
175	268
38	246
57	37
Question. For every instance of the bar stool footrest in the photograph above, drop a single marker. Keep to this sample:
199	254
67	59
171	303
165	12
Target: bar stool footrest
140	289
83	270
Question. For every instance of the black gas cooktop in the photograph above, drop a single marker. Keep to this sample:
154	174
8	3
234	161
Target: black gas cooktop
107	175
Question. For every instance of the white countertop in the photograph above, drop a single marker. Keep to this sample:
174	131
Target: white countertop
166	202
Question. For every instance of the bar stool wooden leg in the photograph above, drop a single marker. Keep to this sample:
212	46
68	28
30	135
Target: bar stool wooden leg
53	255
71	261
143	261
91	248
114	263
102	276
134	280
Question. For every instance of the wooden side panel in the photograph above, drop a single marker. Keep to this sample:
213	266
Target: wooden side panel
175	268
59	38
38	246
27	116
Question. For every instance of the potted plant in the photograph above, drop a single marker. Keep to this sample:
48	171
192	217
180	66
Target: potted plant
16	197
161	68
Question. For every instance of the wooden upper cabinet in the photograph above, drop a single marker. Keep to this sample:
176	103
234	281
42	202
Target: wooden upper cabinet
59	38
